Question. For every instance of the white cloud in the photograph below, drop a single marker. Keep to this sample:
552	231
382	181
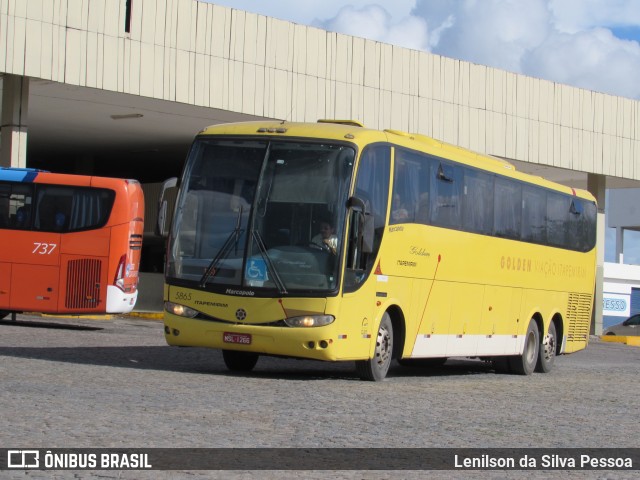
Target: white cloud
311	12
593	59
375	23
540	38
489	32
571	16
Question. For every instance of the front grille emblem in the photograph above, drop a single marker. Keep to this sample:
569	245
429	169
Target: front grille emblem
241	314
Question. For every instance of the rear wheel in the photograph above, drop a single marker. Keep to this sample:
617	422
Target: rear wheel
376	368
239	361
525	364
547	355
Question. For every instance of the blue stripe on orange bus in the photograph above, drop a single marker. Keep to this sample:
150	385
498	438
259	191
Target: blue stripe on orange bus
19	174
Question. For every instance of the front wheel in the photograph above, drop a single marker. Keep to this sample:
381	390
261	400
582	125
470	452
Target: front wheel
547	355
239	361
376	368
525	364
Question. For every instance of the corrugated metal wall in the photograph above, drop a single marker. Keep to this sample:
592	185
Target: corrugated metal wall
207	55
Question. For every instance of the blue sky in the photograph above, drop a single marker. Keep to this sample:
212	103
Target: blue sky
593	44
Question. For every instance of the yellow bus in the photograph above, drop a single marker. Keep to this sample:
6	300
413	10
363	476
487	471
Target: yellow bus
331	241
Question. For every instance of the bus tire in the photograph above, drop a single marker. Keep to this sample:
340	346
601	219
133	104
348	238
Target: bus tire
375	369
525	364
547	352
239	361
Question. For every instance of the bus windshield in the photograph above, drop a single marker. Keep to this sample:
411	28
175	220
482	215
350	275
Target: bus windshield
261	215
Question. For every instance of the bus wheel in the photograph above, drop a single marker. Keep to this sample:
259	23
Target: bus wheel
376	368
525	364
239	361
547	354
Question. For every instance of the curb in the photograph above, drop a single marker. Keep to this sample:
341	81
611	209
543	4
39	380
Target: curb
147	315
627	340
108	316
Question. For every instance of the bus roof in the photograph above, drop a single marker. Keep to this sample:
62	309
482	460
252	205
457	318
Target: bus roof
354	132
34	175
19	174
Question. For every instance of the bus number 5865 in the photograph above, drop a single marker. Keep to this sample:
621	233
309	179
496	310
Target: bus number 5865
44	248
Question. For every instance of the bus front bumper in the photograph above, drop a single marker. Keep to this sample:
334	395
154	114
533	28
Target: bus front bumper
119	301
317	343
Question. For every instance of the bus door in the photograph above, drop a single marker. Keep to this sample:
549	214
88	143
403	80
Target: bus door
362	290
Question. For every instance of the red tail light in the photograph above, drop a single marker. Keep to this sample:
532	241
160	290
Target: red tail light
121	271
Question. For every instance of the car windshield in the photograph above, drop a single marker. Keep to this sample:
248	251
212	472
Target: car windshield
261	215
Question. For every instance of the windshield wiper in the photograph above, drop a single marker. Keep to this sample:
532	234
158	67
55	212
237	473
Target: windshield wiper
267	260
232	239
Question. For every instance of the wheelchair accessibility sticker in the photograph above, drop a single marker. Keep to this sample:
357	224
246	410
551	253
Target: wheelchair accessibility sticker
256	270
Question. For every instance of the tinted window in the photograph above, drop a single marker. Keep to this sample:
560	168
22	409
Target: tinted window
557	219
15	205
581	231
446	207
534	209
68	209
472	200
411	187
507	208
478	202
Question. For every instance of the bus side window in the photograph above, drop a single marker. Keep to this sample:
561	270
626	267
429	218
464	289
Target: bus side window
5	206
446	186
23	217
15	205
45	218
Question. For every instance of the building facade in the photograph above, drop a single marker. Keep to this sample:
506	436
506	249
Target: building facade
168	65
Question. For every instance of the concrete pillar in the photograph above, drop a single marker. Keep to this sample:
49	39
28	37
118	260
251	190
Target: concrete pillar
620	244
13	121
597	184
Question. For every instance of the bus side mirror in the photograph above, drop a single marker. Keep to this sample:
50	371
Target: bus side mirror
164	215
365	228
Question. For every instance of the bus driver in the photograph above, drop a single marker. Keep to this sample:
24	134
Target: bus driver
326	239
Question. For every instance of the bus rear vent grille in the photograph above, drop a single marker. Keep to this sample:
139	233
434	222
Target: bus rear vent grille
83	284
135	242
579	315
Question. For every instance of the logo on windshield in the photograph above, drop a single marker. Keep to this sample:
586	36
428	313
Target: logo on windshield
241	314
257	270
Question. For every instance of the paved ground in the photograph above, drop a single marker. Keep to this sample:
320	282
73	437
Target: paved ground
115	383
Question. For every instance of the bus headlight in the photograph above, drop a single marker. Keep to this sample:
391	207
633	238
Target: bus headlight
180	310
309	321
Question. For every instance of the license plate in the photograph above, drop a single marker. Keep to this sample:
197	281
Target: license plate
241	338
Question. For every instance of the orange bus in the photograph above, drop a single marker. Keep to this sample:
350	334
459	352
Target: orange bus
68	243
